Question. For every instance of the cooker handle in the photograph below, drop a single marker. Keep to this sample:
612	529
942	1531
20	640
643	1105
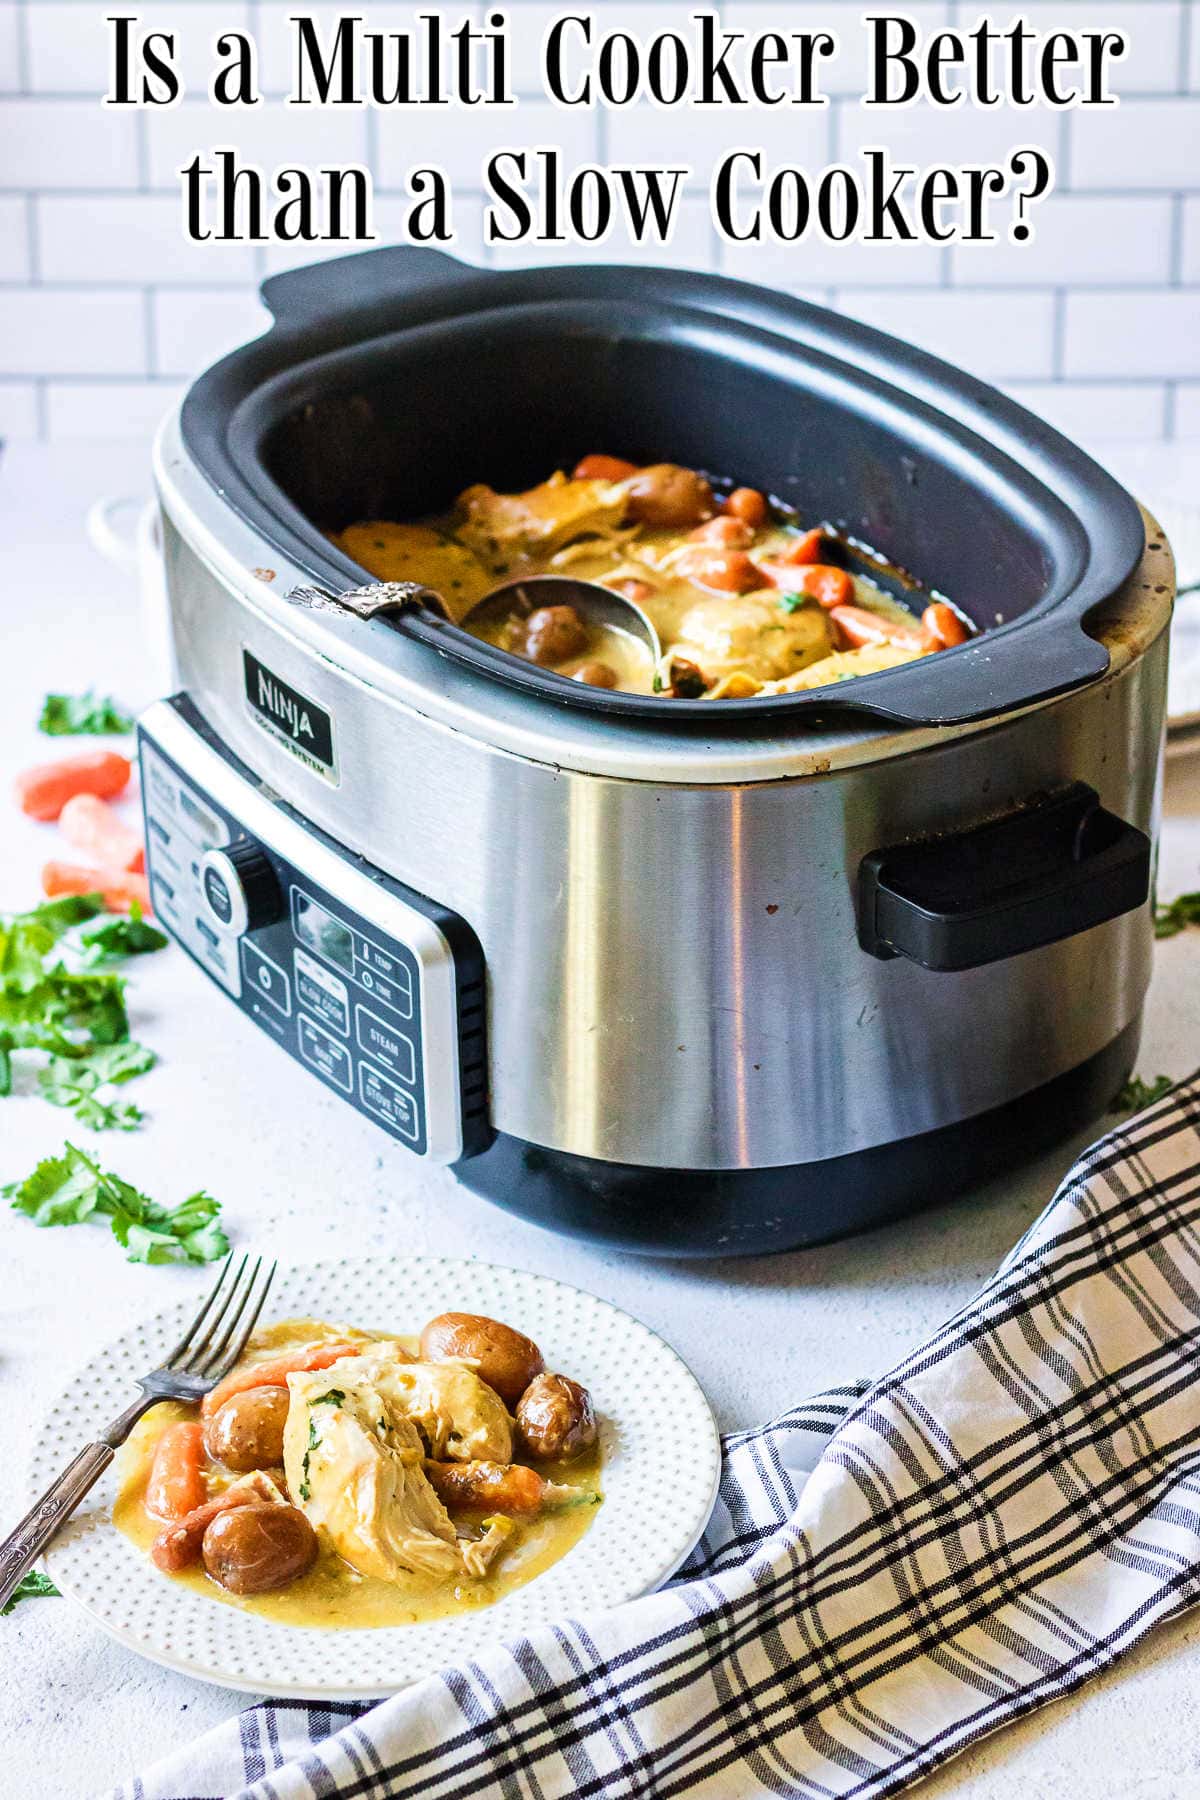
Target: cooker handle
335	289
1045	872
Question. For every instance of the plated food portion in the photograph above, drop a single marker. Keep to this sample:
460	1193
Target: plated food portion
745	599
340	1477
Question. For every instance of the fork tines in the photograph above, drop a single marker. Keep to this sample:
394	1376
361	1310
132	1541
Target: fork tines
218	1335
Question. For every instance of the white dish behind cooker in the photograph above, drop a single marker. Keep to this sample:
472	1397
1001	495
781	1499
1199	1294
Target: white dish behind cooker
662	1462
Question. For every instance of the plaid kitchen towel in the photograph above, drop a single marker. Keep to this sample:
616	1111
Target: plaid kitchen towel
893	1570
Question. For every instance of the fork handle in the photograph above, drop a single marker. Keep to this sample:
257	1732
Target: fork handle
21	1549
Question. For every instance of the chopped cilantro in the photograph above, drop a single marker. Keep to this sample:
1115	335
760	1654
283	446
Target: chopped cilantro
67	1189
334	1397
792	602
32	1586
1176	915
73	1081
67	1014
77	715
1137	1094
50	1004
656	686
110	938
314	1439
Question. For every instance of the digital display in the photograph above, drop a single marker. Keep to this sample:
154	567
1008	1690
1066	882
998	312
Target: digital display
324	934
211	834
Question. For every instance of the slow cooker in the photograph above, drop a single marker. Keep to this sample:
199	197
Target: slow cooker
688	977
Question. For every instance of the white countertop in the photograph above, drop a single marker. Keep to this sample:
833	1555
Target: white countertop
301	1174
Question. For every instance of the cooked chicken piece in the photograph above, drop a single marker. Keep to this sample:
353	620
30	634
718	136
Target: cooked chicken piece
841	665
418	553
459	1417
502	528
354	1449
751	634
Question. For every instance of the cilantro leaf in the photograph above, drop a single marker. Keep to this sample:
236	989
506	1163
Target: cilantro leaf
1137	1094
65	1013
75	715
63	1190
59	915
791	603
116	936
26	939
76	1015
73	1081
1176	915
67	1189
31	1586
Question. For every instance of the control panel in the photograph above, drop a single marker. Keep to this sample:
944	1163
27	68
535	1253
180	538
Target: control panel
376	990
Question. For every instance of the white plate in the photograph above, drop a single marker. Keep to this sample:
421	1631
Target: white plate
661	1466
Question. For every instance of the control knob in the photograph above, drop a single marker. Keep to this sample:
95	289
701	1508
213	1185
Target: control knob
239	887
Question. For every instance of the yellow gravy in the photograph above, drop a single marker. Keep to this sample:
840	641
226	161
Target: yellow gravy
332	1595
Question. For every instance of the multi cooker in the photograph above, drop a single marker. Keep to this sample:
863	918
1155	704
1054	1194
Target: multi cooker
689	977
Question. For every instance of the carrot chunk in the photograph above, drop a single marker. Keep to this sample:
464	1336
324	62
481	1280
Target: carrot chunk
44	790
176	1484
604	468
274	1372
118	887
91	825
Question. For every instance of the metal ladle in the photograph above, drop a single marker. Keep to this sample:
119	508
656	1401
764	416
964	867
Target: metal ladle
595	605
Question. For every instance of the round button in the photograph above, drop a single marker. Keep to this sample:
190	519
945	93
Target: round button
239	887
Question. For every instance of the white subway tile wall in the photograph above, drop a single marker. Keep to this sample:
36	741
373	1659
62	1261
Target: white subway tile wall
106	309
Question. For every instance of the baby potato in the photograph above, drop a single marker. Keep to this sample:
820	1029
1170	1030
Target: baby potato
247	1432
666	496
504	1358
555	1418
253	1549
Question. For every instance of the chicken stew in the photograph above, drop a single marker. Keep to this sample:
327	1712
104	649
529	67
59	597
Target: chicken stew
343	1478
745	601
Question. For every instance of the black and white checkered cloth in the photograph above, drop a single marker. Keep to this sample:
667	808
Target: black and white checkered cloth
894	1569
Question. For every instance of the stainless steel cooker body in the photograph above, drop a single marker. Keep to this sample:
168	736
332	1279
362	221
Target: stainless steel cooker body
675	981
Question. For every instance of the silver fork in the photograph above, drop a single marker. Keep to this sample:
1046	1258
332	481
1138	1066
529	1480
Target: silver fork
195	1365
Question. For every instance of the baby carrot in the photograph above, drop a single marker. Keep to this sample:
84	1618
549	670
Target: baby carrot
806	549
119	887
274	1372
944	625
731	533
861	627
44	790
91	825
748	505
176	1485
828	585
725	571
501	1487
604	468
179	1545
